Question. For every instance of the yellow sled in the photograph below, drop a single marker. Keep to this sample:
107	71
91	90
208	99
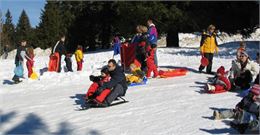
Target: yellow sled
34	75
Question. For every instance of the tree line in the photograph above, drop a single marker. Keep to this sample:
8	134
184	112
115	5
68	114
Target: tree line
93	23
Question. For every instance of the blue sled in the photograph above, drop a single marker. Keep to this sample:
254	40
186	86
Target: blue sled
144	82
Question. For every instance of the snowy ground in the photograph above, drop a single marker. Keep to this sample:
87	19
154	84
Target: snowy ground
163	106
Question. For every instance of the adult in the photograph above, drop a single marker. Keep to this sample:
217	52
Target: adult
136	38
19	60
153	37
5	51
60	49
141	47
243	71
117	83
208	46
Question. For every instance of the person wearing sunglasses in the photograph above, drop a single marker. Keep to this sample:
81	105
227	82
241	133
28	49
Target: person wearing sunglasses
117	83
208	46
243	71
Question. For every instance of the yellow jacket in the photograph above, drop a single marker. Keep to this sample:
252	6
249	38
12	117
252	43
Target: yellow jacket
136	76
208	43
79	55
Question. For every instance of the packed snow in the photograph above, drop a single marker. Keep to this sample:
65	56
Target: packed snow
163	106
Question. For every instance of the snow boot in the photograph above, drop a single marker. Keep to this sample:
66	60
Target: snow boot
216	115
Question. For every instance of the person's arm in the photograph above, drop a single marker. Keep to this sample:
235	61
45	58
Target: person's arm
113	81
254	69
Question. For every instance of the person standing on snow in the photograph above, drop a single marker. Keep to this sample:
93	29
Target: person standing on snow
5	51
153	37
60	49
208	46
19	60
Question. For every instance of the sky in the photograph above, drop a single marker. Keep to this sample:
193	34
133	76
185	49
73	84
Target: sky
32	8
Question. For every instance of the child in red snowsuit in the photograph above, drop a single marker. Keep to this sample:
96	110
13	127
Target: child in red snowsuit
220	84
97	82
151	67
29	63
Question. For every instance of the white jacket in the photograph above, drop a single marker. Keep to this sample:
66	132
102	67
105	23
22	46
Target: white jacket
251	66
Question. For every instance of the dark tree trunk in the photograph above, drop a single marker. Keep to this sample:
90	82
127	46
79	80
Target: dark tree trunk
172	39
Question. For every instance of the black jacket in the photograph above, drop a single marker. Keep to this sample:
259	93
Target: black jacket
117	77
60	48
18	56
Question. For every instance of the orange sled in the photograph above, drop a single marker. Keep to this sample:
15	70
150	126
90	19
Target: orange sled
172	73
54	62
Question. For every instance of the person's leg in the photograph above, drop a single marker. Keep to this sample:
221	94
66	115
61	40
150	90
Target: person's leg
81	66
155	71
116	92
92	89
209	56
149	68
227	114
100	98
201	67
29	67
155	57
59	65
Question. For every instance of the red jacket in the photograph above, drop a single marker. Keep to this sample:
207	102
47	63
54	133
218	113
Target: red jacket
222	80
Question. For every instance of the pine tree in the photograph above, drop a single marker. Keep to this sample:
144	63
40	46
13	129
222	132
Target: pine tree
7	36
50	27
23	29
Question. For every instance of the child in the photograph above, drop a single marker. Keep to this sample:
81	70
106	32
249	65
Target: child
241	48
220	84
137	75
93	94
68	62
151	67
79	57
244	111
29	63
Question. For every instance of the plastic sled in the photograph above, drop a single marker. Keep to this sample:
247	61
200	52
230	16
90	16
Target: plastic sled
54	62
34	75
173	73
204	61
144	82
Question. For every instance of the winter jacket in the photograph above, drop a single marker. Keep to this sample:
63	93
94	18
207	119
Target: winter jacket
208	43
79	55
251	66
18	56
117	77
153	34
60	48
136	39
248	104
224	81
136	76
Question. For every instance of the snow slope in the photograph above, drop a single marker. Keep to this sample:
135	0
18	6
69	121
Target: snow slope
163	106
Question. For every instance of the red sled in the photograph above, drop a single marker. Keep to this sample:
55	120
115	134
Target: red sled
54	62
173	73
204	61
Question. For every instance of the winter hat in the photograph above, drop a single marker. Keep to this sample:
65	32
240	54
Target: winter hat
221	70
255	89
244	53
105	70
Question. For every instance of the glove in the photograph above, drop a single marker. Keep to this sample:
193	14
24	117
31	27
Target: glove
91	78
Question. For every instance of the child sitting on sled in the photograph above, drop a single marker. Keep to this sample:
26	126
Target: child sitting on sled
220	84
246	112
137	75
93	95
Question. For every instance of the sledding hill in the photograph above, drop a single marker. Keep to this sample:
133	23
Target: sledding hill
163	106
